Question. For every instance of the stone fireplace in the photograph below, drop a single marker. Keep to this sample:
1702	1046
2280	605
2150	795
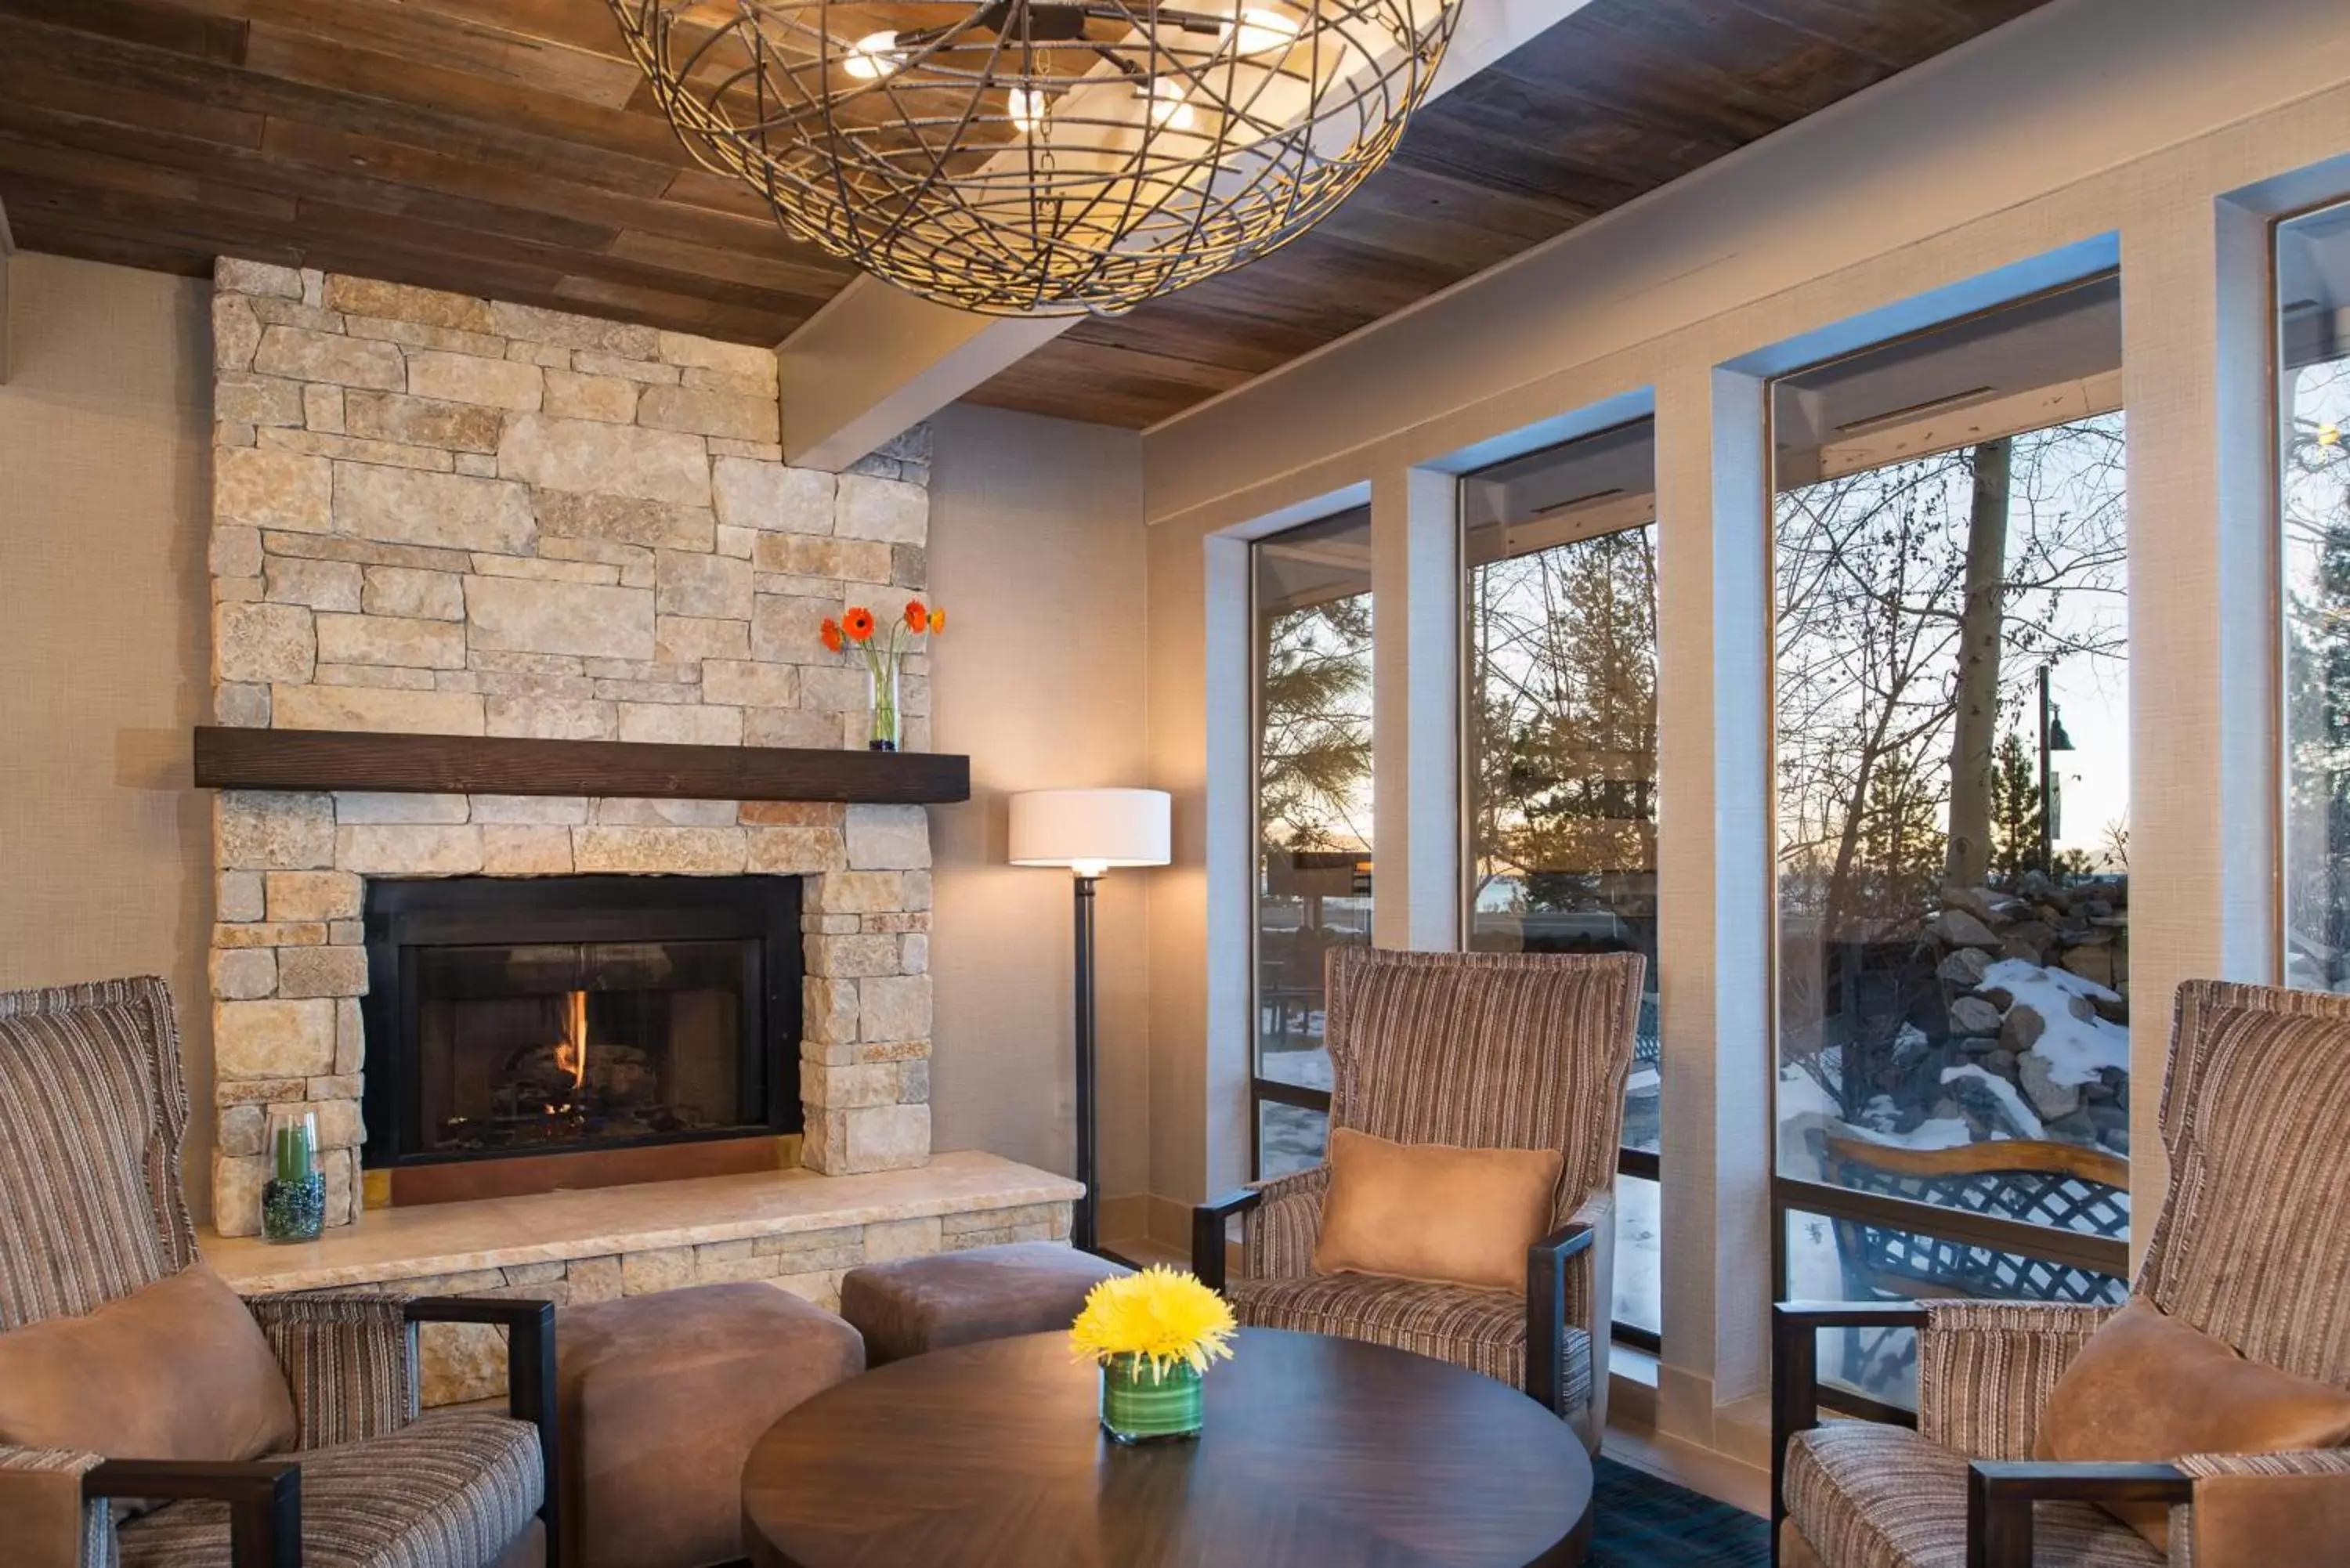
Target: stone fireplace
448	516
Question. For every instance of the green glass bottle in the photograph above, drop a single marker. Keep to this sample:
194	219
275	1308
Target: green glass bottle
294	1199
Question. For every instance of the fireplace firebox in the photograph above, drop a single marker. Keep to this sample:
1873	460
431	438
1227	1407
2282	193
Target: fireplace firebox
575	1014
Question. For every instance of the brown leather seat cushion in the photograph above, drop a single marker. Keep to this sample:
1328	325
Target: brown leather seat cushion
662	1398
919	1304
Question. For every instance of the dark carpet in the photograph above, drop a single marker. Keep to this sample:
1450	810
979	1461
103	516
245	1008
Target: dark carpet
1643	1522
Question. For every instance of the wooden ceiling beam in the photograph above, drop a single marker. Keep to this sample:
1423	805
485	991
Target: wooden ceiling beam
149	250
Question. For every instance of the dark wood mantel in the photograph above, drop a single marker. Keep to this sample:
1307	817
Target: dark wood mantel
499	764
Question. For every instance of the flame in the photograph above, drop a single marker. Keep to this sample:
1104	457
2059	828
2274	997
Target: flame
571	1054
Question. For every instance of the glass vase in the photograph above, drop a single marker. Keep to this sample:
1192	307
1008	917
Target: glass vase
881	692
1142	1405
294	1199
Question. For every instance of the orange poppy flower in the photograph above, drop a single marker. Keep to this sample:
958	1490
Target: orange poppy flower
830	632
857	623
917	617
938	620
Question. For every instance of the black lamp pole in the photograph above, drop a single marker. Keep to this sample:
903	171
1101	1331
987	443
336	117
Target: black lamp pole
1084	1219
2053	739
2047	786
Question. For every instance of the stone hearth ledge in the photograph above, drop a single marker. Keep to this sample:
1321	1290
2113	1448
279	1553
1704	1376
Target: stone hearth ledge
717	1223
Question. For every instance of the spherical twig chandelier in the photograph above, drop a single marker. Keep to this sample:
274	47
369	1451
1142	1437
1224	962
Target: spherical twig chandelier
1042	157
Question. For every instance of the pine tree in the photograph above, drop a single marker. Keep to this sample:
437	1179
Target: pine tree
1902	844
2015	811
1315	748
1567	757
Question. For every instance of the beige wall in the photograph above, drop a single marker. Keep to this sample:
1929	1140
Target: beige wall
105	850
1036	553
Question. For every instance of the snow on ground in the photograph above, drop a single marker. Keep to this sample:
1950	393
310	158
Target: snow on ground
1804	1105
1639	1257
1805	1108
2075	1049
1934	1132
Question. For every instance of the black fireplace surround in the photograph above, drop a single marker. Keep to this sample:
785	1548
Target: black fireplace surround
567	1015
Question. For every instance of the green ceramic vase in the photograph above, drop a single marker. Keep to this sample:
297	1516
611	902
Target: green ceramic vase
1140	1406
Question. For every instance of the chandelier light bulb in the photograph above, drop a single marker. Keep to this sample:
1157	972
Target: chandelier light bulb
1167	107
873	57
1026	108
1263	32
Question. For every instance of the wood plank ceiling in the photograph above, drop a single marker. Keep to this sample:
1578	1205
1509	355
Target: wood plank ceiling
1619	98
508	148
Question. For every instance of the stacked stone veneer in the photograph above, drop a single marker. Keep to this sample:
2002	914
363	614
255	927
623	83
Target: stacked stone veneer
443	514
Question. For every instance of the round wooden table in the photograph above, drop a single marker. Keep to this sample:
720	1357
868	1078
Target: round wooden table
1317	1451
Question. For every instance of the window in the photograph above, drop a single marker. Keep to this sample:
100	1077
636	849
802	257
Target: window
1843	1257
1952	774
1313	621
1561	749
2313	293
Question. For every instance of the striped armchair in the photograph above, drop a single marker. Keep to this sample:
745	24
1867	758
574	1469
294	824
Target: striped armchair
93	1109
1480	1051
2249	1248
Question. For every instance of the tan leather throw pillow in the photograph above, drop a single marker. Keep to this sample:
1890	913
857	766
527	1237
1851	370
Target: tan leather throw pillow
177	1371
1431	1211
2147	1388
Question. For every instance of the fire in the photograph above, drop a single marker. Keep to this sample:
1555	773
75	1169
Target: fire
571	1055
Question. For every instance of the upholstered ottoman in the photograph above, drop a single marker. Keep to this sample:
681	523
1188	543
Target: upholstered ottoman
662	1396
916	1304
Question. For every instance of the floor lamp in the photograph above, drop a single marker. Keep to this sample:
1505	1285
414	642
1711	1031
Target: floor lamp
1089	832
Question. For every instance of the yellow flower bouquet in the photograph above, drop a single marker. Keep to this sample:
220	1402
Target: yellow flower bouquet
1154	1335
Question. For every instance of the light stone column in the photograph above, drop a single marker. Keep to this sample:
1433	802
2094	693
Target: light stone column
865	1062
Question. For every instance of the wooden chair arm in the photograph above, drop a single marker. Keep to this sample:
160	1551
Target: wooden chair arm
264	1498
1208	1224
1795	1370
1546	1312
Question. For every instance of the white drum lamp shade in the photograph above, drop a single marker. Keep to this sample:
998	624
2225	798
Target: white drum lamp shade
1090	831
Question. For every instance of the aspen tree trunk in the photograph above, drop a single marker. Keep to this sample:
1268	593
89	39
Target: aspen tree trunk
1975	734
